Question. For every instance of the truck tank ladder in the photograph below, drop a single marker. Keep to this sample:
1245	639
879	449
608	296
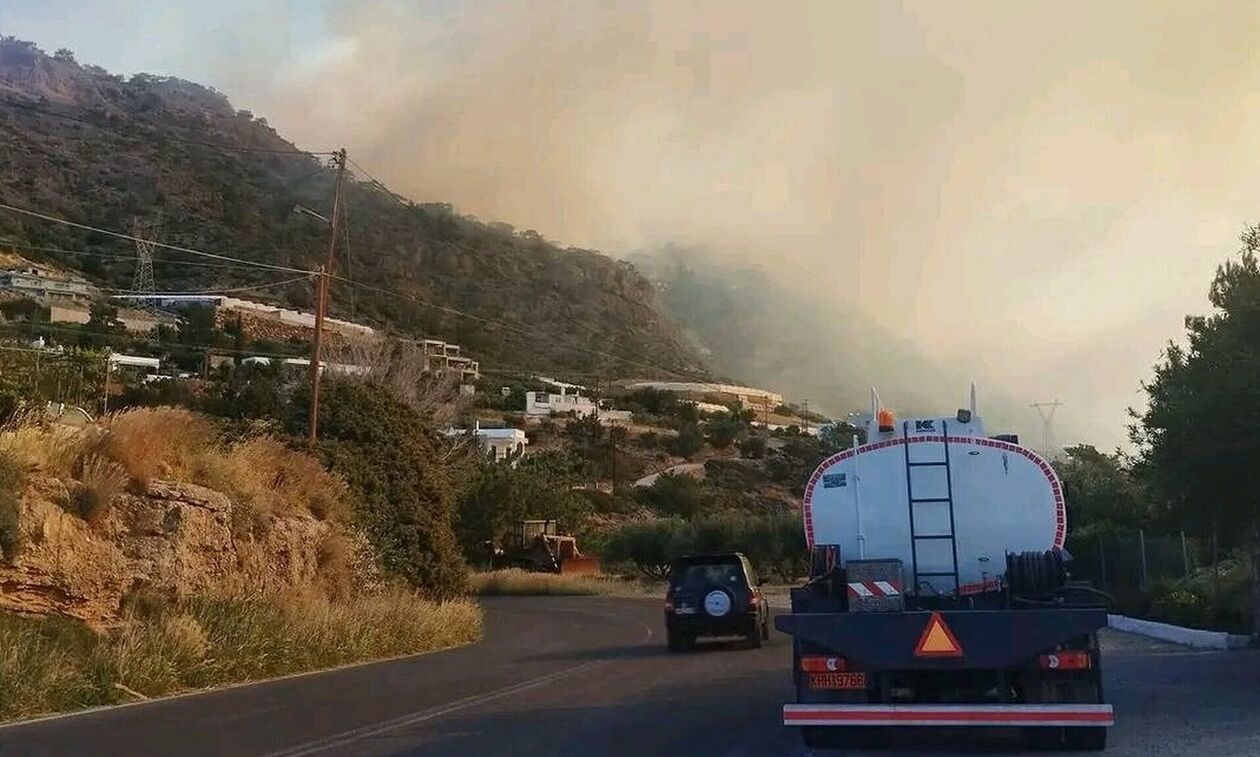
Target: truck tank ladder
948	500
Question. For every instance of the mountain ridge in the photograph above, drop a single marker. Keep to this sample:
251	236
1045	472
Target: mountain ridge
81	144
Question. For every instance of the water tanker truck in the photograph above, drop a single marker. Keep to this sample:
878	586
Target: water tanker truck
940	593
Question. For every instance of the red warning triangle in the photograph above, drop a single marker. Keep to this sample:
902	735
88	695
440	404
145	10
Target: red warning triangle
937	640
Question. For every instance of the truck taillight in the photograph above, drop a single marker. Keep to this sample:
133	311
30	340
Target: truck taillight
823	664
753	599
1065	660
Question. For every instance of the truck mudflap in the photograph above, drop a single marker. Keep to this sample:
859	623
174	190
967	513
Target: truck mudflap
948	715
987	639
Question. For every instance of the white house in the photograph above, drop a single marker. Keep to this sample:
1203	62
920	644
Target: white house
551	403
747	395
499	443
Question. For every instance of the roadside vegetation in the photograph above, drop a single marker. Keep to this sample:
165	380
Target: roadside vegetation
380	480
56	664
128	450
1173	529
517	582
775	544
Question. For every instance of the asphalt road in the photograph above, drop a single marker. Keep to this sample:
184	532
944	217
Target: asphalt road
590	676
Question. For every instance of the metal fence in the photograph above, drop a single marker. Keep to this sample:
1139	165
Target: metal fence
1129	563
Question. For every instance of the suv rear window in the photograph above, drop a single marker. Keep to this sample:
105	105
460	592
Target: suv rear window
698	576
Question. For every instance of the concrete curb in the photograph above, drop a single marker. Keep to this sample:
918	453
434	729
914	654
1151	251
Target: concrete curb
1190	637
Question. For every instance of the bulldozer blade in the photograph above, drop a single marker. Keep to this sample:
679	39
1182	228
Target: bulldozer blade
579	565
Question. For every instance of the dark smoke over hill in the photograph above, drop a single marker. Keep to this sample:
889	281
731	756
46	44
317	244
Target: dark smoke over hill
748	325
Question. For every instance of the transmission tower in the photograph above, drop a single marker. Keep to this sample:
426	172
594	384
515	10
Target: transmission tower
146	234
1046	411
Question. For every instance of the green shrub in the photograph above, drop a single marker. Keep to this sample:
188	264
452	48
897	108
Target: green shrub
1181	605
775	544
754	447
402	498
1189	601
688	442
539	486
675	494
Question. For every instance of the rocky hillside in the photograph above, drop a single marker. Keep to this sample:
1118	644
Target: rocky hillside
79	143
172	539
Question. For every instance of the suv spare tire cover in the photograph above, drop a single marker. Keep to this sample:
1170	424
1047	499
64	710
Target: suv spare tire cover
717	603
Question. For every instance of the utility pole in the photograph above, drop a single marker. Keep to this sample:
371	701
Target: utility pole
321	296
1046	411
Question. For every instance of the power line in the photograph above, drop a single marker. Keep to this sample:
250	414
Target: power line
126	338
288	269
186	140
113	256
517	329
107	232
248	288
372	180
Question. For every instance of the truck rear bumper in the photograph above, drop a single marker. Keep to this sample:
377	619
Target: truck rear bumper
948	715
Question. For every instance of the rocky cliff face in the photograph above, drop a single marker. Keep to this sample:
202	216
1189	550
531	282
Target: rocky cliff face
175	538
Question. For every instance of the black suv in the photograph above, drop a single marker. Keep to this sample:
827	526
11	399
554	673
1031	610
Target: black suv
714	595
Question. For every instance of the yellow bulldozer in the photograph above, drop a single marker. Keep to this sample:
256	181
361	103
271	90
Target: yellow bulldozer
535	545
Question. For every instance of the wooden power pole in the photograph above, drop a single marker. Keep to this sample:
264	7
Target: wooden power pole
321	295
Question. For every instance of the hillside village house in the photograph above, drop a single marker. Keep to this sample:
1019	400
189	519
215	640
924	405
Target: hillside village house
46	285
499	443
552	403
748	396
443	357
253	313
569	400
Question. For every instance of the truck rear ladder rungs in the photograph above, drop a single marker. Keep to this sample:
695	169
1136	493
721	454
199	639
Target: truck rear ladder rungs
948	500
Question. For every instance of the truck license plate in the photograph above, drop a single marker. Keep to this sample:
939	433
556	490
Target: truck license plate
837	680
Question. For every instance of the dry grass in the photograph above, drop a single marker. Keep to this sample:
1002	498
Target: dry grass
100	482
274	479
157	442
514	581
50	450
52	664
262	476
335	565
11	486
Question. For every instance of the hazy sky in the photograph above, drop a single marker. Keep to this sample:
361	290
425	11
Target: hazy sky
1038	191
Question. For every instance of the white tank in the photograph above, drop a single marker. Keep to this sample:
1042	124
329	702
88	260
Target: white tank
1006	498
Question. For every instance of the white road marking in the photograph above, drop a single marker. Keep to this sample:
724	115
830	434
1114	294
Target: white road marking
349	737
